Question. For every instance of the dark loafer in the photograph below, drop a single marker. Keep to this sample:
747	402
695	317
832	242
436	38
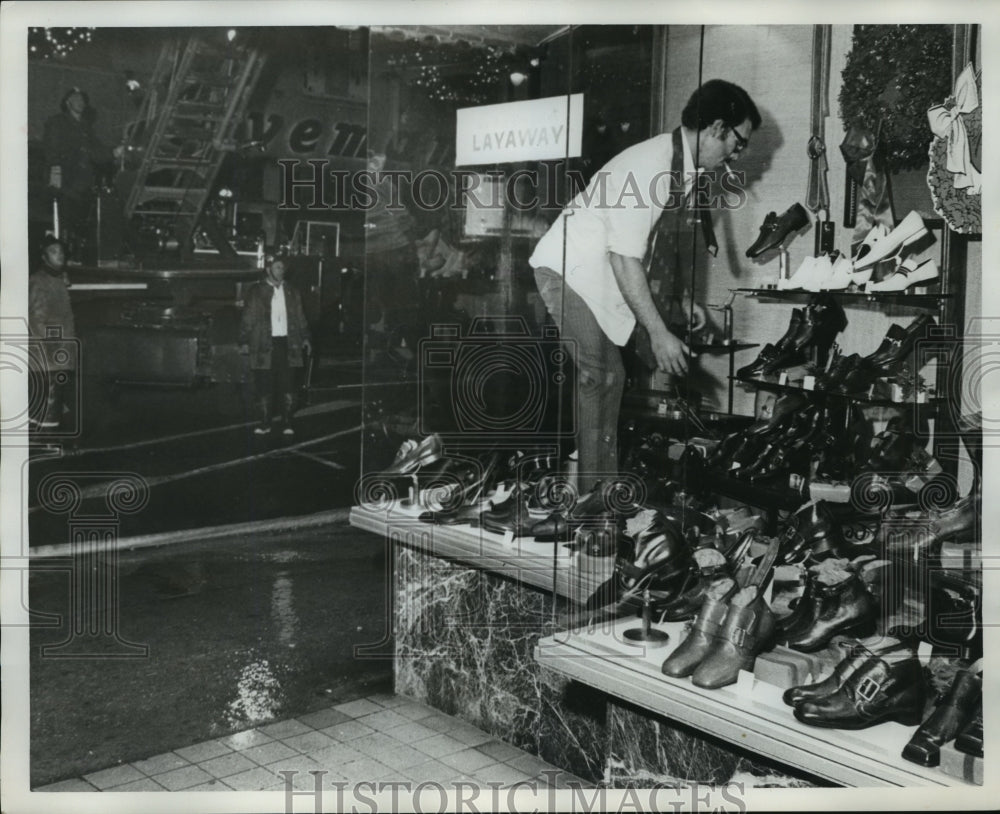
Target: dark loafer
776	228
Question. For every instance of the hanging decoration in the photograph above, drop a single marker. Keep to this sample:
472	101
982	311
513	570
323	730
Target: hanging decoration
894	73
48	43
955	173
460	76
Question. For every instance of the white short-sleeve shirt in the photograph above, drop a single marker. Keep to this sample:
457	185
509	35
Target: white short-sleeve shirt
616	213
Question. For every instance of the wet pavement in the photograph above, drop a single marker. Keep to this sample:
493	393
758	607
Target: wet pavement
240	633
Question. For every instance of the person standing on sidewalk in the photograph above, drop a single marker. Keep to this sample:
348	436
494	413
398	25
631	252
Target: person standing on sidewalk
274	332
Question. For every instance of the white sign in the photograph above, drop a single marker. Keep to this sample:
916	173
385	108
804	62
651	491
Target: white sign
535	130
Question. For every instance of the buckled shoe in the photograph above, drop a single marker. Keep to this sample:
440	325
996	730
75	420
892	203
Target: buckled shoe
747	630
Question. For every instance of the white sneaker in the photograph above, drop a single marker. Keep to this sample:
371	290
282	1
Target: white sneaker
906	274
802	278
910	229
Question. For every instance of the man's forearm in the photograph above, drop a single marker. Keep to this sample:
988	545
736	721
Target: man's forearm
631	277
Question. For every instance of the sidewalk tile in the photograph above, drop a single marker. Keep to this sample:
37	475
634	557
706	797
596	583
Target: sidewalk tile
372	744
347	730
203	751
388	700
285	729
244	740
355	709
365	768
431	771
502	773
311	741
181	779
401	757
439	745
529	764
324	718
411	732
335	756
158	764
268	753
470	735
73	784
440	723
384	719
414	711
211	785
253	780
146	784
500	751
467	760
115	776
233	763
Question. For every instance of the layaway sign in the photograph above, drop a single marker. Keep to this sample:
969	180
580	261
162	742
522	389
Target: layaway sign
535	130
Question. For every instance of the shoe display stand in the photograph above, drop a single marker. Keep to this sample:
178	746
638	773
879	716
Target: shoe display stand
749	713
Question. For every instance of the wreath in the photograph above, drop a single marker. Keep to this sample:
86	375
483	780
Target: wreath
894	73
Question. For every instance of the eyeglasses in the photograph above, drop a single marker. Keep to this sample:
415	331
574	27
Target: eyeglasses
741	141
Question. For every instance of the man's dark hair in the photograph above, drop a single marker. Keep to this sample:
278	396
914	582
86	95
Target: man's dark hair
719	99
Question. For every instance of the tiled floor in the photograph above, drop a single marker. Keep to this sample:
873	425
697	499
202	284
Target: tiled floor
382	737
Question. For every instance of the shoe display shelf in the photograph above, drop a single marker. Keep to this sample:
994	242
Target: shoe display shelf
916	299
749	713
552	567
932	403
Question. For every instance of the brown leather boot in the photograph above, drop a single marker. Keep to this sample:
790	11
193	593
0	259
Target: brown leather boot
848	608
748	629
686	658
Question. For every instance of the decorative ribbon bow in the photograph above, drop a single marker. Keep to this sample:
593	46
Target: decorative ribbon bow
946	122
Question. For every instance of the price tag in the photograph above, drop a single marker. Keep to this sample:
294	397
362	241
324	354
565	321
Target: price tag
783	378
508	538
924	651
809	383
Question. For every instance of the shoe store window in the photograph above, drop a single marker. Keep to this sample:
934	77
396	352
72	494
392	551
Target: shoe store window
698	463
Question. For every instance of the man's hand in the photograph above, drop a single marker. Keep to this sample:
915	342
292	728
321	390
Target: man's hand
671	354
696	315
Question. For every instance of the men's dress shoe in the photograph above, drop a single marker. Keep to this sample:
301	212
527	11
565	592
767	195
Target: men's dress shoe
822	273
776	228
899	343
511	516
953	712
876	233
908	231
906	274
554	528
747	630
615	496
660	550
970	739
838	371
804	277
848	608
426	452
769	351
833	682
688	655
874	693
841	276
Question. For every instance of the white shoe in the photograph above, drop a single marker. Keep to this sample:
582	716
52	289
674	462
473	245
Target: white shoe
822	273
802	278
906	274
877	232
840	275
261	430
910	229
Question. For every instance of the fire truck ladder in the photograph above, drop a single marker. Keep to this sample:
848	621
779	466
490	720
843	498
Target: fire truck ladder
196	101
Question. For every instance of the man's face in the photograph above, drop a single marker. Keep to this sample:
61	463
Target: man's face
55	257
76	104
278	271
725	143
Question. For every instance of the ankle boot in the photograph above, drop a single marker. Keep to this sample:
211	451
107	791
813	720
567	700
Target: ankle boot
769	351
809	607
747	630
712	567
847	608
688	655
970	739
833	682
874	693
953	712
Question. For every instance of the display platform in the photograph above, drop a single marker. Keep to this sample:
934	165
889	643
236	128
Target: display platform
749	713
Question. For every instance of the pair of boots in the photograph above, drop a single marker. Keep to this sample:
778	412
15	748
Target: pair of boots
863	690
264	413
733	625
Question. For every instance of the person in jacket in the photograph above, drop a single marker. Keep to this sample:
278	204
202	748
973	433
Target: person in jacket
274	332
53	357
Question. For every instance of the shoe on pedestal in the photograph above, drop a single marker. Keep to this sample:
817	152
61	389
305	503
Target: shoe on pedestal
747	630
776	228
950	716
908	231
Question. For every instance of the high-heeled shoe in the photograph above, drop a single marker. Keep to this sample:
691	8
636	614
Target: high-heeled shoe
907	273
